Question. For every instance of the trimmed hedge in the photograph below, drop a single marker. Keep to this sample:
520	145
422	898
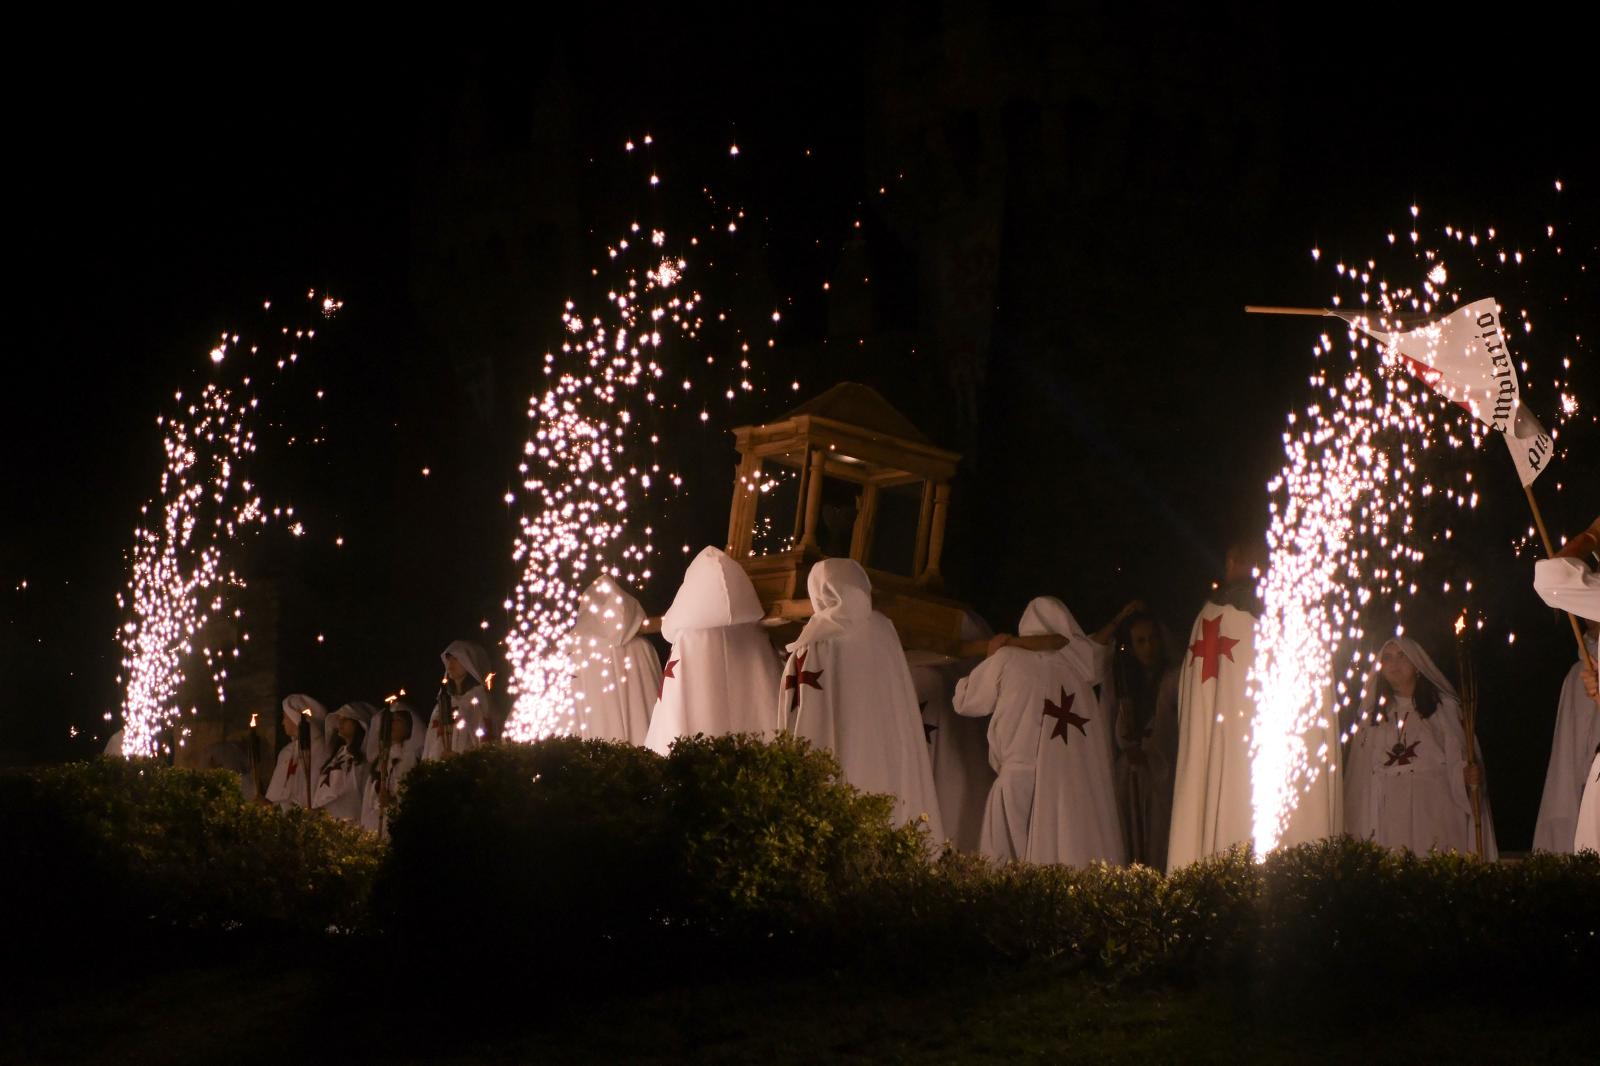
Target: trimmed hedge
109	846
570	844
573	856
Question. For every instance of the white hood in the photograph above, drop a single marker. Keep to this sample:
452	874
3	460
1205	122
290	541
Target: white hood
715	592
469	655
841	599
608	616
1046	614
1419	659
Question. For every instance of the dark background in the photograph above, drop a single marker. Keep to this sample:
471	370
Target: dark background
1075	208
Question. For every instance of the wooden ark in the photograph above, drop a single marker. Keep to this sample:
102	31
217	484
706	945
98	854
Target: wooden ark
847	474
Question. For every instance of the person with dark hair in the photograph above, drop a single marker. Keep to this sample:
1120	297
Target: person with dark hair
343	778
462	717
383	783
1407	776
288	785
1143	698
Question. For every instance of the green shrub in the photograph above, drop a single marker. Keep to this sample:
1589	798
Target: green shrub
113	844
772	841
567	845
1352	913
509	848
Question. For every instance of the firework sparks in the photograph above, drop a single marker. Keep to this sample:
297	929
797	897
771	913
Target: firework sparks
591	458
180	580
1374	469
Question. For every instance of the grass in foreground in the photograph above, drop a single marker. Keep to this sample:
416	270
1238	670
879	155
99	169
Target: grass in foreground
186	1003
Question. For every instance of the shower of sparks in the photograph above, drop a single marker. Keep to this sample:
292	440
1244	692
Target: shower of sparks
181	584
1376	466
592	459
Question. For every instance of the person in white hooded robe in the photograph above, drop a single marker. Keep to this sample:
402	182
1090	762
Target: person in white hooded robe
847	689
1052	800
958	747
1406	774
721	671
288	785
1569	583
1212	801
1572	752
463	704
405	750
616	674
342	779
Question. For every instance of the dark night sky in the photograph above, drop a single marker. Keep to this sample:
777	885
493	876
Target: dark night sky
1077	207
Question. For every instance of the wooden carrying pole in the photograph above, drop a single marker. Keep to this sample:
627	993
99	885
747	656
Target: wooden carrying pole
1550	553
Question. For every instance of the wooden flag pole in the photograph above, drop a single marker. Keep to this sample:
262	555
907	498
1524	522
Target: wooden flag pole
1550	553
1312	312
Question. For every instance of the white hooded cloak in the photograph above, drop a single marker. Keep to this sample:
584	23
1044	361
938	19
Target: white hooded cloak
616	674
1404	785
1587	836
470	706
721	673
1049	744
342	778
1572	751
402	757
846	688
288	785
1211	805
958	747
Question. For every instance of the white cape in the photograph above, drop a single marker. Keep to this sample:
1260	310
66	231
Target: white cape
958	749
1211	806
402	758
468	708
1577	737
1403	783
288	785
1050	745
847	688
616	674
341	785
1587	837
721	672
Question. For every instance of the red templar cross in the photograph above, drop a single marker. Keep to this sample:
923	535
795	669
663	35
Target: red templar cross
661	690
801	676
1403	754
1062	713
1211	647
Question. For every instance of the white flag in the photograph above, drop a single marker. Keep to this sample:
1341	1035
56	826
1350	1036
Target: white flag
1464	358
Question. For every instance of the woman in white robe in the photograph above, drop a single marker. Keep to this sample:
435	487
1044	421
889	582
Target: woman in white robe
616	674
342	780
288	785
1406	772
464	699
405	749
1572	752
1050	744
846	688
721	672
